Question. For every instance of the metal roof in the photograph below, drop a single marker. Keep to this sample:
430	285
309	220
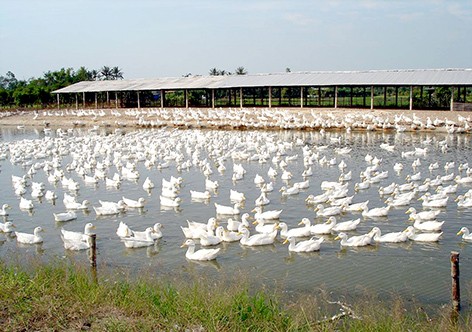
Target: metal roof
426	77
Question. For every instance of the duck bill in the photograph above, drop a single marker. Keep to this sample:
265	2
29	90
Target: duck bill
286	241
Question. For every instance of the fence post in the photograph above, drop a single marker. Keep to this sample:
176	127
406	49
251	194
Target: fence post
456	293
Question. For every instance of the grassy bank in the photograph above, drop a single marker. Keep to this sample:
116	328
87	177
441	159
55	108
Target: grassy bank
59	297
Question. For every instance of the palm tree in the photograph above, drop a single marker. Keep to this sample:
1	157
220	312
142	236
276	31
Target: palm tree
116	73
240	71
214	72
106	73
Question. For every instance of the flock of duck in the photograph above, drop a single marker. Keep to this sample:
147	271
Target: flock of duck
70	161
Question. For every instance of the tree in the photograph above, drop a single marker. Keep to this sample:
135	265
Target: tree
288	70
116	73
106	73
214	72
240	71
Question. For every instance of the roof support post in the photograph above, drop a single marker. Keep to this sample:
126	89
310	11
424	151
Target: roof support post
350	101
385	96
371	97
96	101
108	98
241	97
213	98
363	95
270	97
411	97
58	102
319	96
301	97
452	98
396	96
116	99
162	98
335	96
76	101
186	98
83	99
139	103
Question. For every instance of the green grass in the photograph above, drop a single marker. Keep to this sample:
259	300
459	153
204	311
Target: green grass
60	296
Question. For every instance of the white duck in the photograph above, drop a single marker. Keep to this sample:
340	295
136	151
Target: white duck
236	196
7	227
262	199
257	239
228	236
423	215
148	184
294	190
313	244
354	241
132	242
133	203
376	212
234	225
437	203
466	236
77	205
30	238
196	229
321	211
296	232
209	239
120	205
26	204
393	237
156	234
3	211
167	201
428	225
268	215
262	227
77	244
106	210
65	216
323	228
227	210
199	255
71	235
345	226
123	230
422	237
200	195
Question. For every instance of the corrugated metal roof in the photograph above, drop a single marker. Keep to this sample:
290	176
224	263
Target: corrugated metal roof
425	77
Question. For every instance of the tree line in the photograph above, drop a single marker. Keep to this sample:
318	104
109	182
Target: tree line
37	91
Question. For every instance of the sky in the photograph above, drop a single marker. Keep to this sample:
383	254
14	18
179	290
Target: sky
152	38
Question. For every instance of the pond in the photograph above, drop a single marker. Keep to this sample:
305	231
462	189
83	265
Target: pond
412	269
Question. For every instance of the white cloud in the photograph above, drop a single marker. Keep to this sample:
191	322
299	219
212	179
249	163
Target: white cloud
299	19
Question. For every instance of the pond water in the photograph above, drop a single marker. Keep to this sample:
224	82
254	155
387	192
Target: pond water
412	269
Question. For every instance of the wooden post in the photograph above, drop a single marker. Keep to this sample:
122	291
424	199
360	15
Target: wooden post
139	103
83	99
336	96
186	98
452	98
93	251
116	99
76	101
456	293
241	97
301	97
108	98
319	96
58	102
411	97
212	98
270	97
371	97
96	101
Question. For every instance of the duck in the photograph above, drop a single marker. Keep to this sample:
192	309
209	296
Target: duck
236	196
209	239
107	210
388	190
76	205
318	199
321	211
196	229
257	239
466	236
120	205
26	204
123	230
156	234
133	203
376	212
65	216
428	225
200	195
313	244
234	225
262	199
27	238
50	195
345	226
267	215
436	203
77	244
148	184
356	207
209	184
228	236
323	228
3	211
258	180
262	227
71	235
132	242
227	210
296	232
422	237
167	201
423	215
294	190
199	255
393	237
354	241
7	227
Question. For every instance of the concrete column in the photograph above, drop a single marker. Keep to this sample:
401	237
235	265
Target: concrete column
96	101
116	99
212	98
139	103
319	96
336	96
241	97
76	101
186	98
385	96
270	97
452	98
371	97
411	97
108	98
58	102
301	97
83	99
162	98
